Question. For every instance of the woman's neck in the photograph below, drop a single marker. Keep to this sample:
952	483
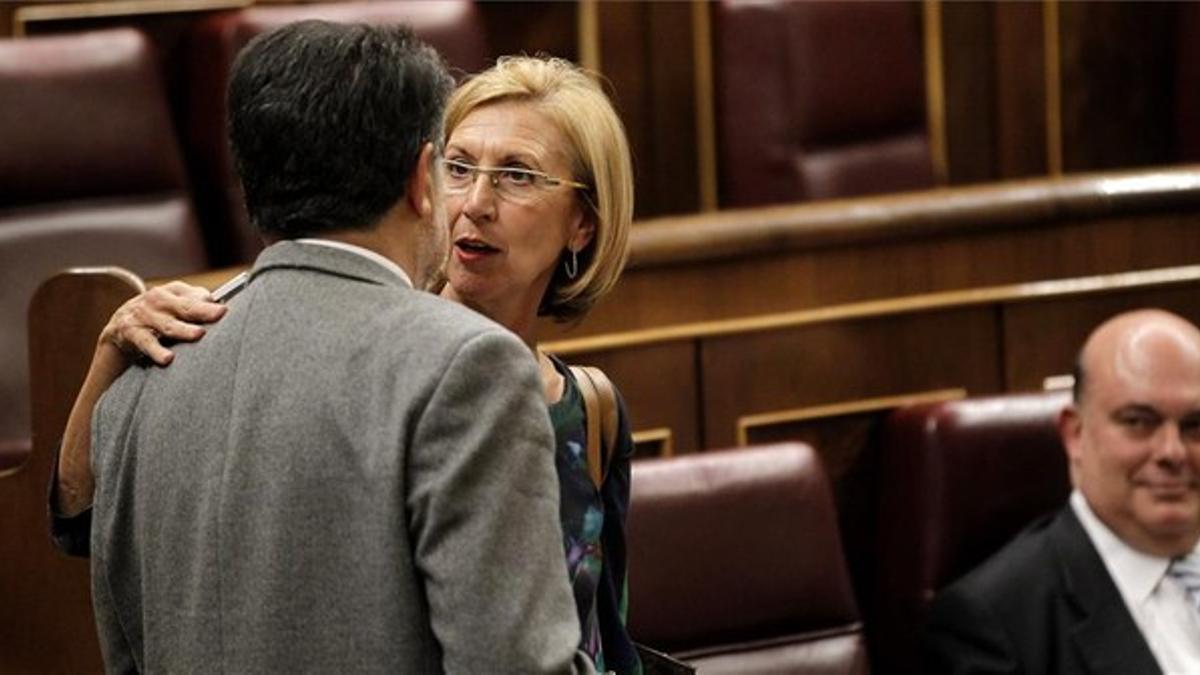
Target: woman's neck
517	316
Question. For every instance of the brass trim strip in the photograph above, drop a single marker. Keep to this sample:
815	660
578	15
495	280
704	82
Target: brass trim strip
747	422
1025	292
1058	382
706	126
88	10
935	90
660	435
587	15
1054	130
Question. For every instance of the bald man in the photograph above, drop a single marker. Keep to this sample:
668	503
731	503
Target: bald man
1106	585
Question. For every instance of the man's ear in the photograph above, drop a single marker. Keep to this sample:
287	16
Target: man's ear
1070	430
419	191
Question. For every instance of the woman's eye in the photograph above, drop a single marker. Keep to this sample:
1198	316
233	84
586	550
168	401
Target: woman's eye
517	177
457	170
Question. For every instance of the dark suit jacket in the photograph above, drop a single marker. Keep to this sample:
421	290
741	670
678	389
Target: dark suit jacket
1043	604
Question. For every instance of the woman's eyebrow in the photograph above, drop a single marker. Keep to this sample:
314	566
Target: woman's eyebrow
458	152
521	157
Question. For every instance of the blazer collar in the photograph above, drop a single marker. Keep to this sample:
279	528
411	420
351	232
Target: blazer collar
325	259
1105	635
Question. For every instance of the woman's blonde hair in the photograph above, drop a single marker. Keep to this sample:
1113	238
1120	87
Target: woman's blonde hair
599	155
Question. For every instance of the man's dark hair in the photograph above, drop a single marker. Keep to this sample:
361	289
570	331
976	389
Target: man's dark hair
327	122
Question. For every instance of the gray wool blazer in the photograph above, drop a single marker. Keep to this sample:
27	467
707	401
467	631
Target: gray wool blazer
344	475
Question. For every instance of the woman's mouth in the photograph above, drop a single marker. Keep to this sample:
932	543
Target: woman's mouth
468	250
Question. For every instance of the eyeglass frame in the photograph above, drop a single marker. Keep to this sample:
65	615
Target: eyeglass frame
493	174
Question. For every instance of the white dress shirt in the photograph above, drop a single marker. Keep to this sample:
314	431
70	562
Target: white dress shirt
1158	603
364	252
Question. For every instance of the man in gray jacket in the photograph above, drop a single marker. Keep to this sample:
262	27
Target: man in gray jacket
347	474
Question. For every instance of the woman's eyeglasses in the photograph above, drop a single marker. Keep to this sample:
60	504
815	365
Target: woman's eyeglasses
509	182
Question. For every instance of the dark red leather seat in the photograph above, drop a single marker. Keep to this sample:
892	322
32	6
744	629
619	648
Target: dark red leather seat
957	481
736	563
454	27
90	174
818	99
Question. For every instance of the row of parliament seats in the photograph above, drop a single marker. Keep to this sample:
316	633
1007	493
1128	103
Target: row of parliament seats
736	562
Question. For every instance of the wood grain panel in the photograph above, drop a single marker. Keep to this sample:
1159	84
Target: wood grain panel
660	385
1117	62
787	280
522	27
646	54
1042	338
969	82
1020	90
47	610
869	357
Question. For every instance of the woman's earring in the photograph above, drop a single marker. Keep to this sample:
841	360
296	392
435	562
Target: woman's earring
571	267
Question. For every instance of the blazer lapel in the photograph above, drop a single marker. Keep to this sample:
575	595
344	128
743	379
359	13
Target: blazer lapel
1106	637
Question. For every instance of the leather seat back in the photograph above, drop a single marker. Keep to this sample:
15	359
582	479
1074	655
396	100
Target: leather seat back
816	100
736	563
958	480
90	174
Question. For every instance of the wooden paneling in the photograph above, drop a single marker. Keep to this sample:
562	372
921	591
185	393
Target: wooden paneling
646	53
46	606
1042	338
755	261
522	27
1117	82
1020	78
660	386
871	357
968	81
756	372
666	294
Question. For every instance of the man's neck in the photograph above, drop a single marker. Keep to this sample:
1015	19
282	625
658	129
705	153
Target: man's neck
377	240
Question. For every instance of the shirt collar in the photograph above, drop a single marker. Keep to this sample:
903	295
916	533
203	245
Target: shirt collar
364	252
1136	574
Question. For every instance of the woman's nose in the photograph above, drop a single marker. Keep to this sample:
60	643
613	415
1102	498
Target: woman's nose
480	199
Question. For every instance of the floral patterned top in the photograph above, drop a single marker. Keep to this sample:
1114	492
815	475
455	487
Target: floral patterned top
593	525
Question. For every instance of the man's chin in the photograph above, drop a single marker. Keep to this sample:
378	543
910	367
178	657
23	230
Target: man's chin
1174	518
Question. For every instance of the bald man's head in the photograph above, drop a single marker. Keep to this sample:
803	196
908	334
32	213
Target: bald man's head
1133	434
1131	329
